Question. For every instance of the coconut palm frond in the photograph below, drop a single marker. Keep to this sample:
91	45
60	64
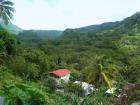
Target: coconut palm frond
6	10
91	77
100	67
7	3
1	1
5	18
106	79
9	14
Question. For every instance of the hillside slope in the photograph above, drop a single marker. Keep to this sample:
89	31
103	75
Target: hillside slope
126	23
39	34
99	27
100	57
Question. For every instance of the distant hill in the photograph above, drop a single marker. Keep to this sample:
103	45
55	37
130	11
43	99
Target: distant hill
107	35
35	35
10	27
48	33
127	23
127	26
99	27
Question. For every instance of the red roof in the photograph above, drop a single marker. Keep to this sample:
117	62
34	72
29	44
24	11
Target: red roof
61	72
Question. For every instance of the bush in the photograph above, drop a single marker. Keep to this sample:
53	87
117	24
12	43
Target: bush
50	84
75	89
98	98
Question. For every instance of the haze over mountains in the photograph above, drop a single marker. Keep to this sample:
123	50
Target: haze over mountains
11	27
56	33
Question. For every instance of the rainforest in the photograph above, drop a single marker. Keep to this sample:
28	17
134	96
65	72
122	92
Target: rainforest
106	56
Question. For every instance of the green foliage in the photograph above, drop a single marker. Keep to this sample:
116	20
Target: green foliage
38	35
25	93
75	76
75	89
32	71
50	84
98	98
96	54
38	57
8	43
15	91
131	73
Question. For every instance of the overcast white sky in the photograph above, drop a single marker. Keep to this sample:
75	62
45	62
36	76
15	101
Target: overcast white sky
61	14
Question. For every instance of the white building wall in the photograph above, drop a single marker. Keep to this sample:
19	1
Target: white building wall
65	78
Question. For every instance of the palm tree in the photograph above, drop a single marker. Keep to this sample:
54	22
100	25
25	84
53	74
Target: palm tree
6	10
99	76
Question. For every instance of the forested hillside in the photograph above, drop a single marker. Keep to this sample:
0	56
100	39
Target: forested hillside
37	35
99	27
98	54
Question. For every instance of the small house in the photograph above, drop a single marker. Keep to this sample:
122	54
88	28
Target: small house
61	74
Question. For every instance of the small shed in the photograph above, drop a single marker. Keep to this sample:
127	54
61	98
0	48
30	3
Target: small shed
61	74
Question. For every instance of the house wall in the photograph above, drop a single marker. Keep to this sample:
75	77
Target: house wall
65	78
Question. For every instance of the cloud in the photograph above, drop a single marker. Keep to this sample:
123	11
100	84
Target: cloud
61	14
51	2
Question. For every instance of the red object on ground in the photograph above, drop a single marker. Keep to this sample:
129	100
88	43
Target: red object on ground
60	72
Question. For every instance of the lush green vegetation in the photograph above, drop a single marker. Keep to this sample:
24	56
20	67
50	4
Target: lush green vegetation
37	35
94	54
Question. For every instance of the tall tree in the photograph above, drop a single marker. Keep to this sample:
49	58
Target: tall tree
6	10
102	71
99	76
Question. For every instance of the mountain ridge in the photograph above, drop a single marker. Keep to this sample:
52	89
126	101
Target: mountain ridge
127	22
